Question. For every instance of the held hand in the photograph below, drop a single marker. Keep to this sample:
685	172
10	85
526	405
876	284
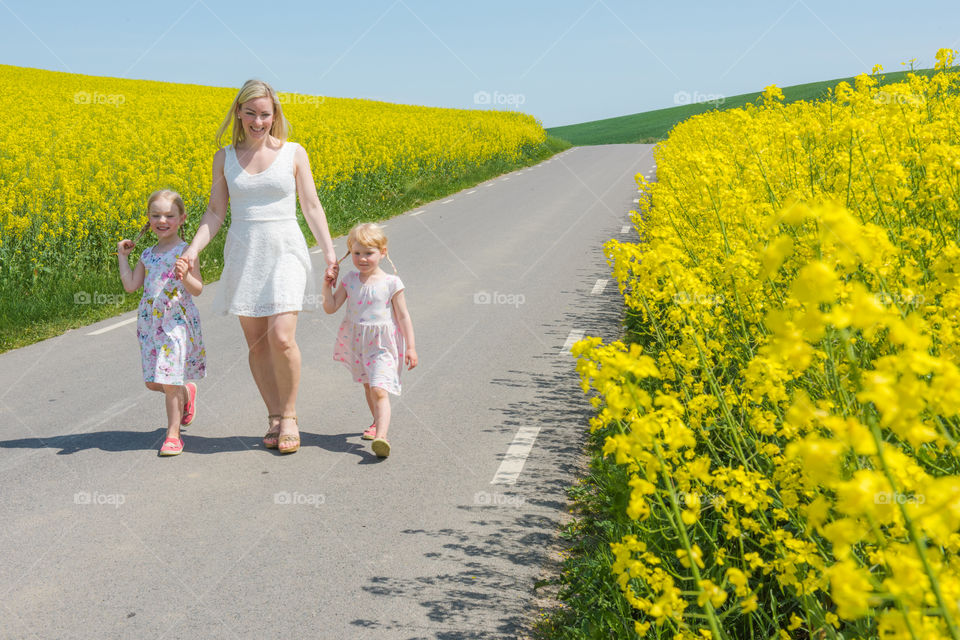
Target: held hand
124	247
181	268
410	358
185	263
333	270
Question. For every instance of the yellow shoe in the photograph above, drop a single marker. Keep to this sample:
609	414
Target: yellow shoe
381	447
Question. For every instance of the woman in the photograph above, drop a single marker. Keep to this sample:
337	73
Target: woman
267	276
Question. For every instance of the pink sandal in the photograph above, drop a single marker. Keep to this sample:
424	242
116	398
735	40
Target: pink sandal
370	433
190	408
171	447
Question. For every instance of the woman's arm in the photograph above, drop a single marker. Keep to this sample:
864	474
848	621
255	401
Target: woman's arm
132	280
213	217
406	328
312	209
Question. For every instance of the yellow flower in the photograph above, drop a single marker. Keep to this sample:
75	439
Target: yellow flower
772	94
850	589
796	293
944	58
709	592
815	283
774	255
93	191
738	579
795	622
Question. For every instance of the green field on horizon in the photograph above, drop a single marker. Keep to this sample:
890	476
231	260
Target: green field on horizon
651	126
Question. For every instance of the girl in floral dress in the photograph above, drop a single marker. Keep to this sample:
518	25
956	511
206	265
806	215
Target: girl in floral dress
168	323
376	336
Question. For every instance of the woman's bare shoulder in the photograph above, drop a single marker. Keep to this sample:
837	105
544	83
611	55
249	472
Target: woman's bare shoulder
220	156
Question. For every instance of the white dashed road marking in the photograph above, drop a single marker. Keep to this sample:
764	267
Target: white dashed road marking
516	456
113	326
574	337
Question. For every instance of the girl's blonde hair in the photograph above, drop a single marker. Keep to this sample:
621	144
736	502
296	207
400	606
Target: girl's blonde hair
170	196
251	89
368	234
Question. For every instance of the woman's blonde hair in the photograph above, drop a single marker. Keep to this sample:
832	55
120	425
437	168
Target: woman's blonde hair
163	194
251	89
367	234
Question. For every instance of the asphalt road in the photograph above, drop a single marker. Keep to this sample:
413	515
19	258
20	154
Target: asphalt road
444	539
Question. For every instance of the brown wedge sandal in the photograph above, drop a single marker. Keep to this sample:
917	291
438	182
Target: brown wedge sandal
271	439
288	438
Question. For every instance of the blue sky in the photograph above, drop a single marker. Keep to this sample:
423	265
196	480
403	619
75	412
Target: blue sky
562	61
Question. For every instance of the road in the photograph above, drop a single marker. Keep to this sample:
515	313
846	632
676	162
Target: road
444	539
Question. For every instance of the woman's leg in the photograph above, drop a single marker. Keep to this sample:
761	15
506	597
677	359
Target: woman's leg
285	355
261	363
381	414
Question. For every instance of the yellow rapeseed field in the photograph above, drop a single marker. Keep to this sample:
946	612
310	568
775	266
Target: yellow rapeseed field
788	416
80	154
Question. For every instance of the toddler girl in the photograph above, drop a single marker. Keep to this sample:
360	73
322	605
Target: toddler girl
376	336
168	324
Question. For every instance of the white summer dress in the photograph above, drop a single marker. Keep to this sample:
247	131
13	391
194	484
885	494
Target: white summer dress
266	265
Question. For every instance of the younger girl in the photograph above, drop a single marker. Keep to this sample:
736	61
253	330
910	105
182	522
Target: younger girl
376	336
168	324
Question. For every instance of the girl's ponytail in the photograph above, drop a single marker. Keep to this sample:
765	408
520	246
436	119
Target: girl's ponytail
143	230
392	265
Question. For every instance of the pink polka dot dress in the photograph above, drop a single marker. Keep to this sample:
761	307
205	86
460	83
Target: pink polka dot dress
369	341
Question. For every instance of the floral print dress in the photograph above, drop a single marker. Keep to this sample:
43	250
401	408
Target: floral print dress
168	323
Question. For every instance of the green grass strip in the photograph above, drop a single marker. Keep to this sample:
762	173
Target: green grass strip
652	126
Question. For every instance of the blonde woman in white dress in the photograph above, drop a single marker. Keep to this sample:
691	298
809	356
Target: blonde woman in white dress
267	275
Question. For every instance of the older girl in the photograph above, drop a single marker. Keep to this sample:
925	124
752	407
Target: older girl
168	324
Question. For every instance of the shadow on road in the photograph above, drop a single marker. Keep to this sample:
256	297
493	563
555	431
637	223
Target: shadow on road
119	440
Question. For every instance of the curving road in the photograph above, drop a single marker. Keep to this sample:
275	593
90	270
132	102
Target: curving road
100	538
